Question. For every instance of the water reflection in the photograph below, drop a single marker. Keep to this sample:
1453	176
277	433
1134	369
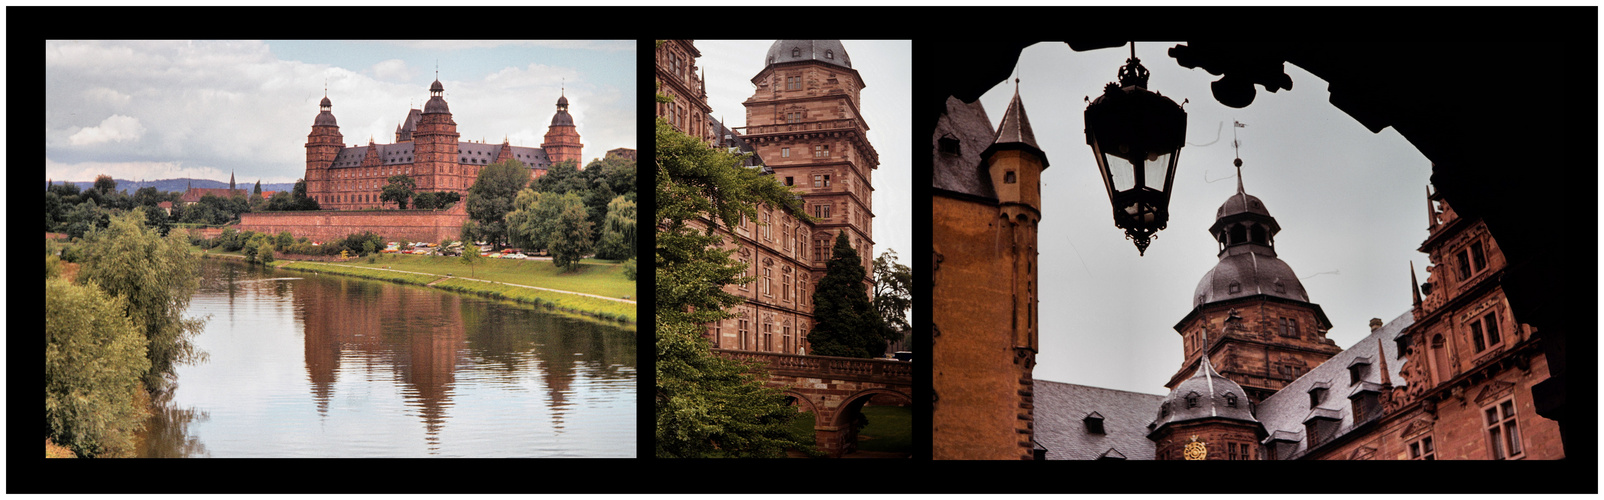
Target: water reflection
477	377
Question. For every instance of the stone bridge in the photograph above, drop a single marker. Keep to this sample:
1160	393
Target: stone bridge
834	389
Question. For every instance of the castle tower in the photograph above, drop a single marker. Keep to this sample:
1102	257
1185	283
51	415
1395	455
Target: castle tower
987	205
437	164
562	140
1266	331
803	121
1207	416
322	145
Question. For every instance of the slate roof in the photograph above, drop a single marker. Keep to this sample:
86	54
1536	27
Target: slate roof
724	137
1060	423
476	153
1218	397
1284	413
810	50
1255	273
963	173
1015	133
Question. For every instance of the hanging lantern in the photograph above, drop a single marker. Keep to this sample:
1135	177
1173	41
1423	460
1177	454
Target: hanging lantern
1136	136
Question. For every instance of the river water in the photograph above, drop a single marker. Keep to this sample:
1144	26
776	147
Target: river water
303	365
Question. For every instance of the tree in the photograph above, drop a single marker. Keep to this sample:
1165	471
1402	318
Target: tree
105	185
893	287
570	239
156	276
708	405
399	190
492	196
617	231
94	360
258	190
471	257
844	322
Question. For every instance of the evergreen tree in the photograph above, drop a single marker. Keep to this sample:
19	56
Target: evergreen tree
258	190
845	323
707	405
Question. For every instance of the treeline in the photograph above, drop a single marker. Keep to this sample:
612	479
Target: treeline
75	211
568	212
114	331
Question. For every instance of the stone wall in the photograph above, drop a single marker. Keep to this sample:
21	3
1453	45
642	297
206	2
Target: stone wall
326	225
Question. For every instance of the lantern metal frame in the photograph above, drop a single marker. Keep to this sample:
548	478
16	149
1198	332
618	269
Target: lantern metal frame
1136	136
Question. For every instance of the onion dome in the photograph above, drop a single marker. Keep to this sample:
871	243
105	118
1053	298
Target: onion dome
562	118
1248	263
1205	395
825	51
437	100
325	116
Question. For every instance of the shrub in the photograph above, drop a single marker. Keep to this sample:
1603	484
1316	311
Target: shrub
94	362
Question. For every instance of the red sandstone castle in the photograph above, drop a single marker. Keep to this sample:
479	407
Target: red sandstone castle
805	129
346	179
427	147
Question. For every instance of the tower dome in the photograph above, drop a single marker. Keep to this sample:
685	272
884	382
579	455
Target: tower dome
325	116
1206	394
562	118
437	100
825	51
1248	264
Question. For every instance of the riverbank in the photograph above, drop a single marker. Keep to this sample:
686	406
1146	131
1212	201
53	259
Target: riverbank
607	308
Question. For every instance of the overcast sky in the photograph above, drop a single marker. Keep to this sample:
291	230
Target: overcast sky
886	69
203	109
1351	205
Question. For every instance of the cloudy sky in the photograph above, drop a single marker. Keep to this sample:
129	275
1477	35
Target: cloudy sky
203	109
886	69
1351	205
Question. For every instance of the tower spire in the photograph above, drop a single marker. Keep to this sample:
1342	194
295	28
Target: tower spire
1414	286
1237	145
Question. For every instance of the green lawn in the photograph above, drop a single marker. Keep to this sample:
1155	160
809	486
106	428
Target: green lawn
890	429
597	277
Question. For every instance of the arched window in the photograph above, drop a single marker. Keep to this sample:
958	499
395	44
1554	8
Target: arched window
796	52
1239	234
829	54
1258	235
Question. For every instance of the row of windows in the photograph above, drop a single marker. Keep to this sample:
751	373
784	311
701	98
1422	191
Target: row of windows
746	340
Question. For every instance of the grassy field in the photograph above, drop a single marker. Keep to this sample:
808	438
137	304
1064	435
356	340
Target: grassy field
890	429
596	277
600	308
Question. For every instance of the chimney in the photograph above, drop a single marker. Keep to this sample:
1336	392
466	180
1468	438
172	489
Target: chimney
1375	323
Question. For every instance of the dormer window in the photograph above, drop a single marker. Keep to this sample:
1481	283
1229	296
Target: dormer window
829	54
948	145
1234	287
1317	395
1192	399
1358	369
1230	400
796	52
1094	423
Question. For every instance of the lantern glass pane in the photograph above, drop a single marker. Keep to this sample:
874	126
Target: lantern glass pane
1121	172
1154	169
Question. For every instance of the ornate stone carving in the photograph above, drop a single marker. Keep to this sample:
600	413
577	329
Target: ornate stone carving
1493	391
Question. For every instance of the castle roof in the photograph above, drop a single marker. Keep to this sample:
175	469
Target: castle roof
437	103
1063	427
1205	395
1015	133
474	153
1284	413
966	130
825	51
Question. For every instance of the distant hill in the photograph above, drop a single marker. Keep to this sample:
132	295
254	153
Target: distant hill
180	185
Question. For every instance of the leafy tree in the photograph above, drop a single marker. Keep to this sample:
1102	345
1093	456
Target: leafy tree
491	197
300	199
845	323
399	190
85	218
563	177
156	276
893	287
95	357
285	239
424	200
105	185
570	238
618	231
708	405
596	200
617	173
471	258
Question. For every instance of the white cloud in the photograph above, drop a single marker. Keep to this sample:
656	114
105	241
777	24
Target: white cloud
393	69
109	96
116	128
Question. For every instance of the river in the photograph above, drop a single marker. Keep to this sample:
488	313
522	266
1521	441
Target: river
304	365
